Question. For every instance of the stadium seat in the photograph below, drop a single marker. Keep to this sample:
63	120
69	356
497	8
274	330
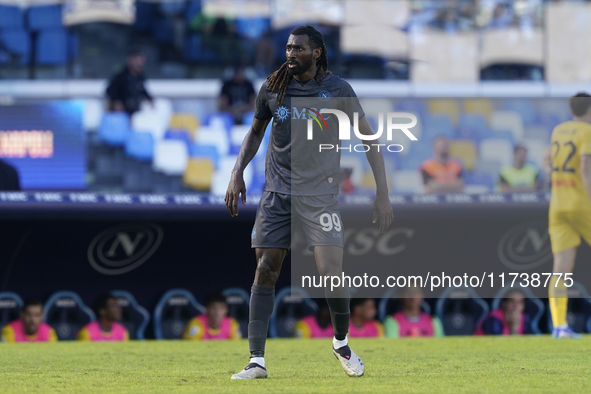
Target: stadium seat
460	310
238	307
579	309
497	150
10	306
482	107
11	17
553	107
449	107
503	135
390	304
436	125
148	120
178	135
475	121
145	14
140	146
524	107
193	9
199	174
44	17
486	181
195	53
221	177
18	41
220	120
415	107
210	152
134	317
237	135
535	151
92	114
247	118
508	120
534	308
170	157
172	313
252	28
185	121
465	151
215	137
291	304
67	314
114	128
162	31
408	181
160	107
54	47
538	132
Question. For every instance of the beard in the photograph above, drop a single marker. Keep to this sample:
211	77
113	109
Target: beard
300	68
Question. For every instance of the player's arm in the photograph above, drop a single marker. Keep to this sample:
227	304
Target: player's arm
585	169
248	150
382	209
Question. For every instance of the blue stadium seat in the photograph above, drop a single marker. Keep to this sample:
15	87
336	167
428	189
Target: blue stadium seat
114	128
579	309
162	32
468	133
525	108
436	125
476	121
534	308
248	117
195	53
460	310
238	306
45	17
205	151
19	42
134	317
145	13
415	107
172	7
172	313
11	17
193	9
480	178
55	47
224	118
10	307
291	304
67	314
180	135
503	134
389	305
140	145
252	28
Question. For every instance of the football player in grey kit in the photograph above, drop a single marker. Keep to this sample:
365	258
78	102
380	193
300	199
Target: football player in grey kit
310	197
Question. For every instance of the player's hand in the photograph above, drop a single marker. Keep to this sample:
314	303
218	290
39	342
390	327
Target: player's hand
382	211
235	189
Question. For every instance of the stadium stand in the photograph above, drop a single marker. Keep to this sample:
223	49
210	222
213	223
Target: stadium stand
238	306
10	306
291	304
173	311
66	313
134	317
460	310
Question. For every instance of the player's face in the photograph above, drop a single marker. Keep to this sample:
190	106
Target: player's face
216	311
113	310
300	57
32	318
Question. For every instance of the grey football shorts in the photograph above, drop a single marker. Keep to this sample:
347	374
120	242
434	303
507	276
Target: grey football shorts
280	214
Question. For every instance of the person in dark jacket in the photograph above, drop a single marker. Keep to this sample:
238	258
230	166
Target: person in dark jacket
127	88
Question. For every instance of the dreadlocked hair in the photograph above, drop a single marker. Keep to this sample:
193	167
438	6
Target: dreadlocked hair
278	81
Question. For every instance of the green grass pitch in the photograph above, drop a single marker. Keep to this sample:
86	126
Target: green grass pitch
430	365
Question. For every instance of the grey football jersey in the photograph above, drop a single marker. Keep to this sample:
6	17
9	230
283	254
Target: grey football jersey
293	164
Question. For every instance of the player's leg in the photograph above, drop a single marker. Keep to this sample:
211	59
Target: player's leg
565	240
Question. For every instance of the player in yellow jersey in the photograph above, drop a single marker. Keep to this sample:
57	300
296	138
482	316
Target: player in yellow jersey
570	205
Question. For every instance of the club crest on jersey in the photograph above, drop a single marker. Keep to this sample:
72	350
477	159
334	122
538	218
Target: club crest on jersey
282	113
324	95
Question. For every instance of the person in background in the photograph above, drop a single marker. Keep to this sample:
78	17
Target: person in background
127	88
264	55
30	326
547	169
411	321
315	326
440	173
237	96
509	319
215	323
9	178
105	328
520	176
363	319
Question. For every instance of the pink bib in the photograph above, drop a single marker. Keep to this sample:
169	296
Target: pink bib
315	330
422	328
498	313
369	330
118	332
224	332
20	335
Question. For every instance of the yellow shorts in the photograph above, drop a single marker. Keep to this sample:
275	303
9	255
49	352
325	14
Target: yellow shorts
567	228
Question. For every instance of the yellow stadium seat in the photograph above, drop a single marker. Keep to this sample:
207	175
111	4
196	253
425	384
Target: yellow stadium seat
479	106
199	174
464	150
448	107
185	121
